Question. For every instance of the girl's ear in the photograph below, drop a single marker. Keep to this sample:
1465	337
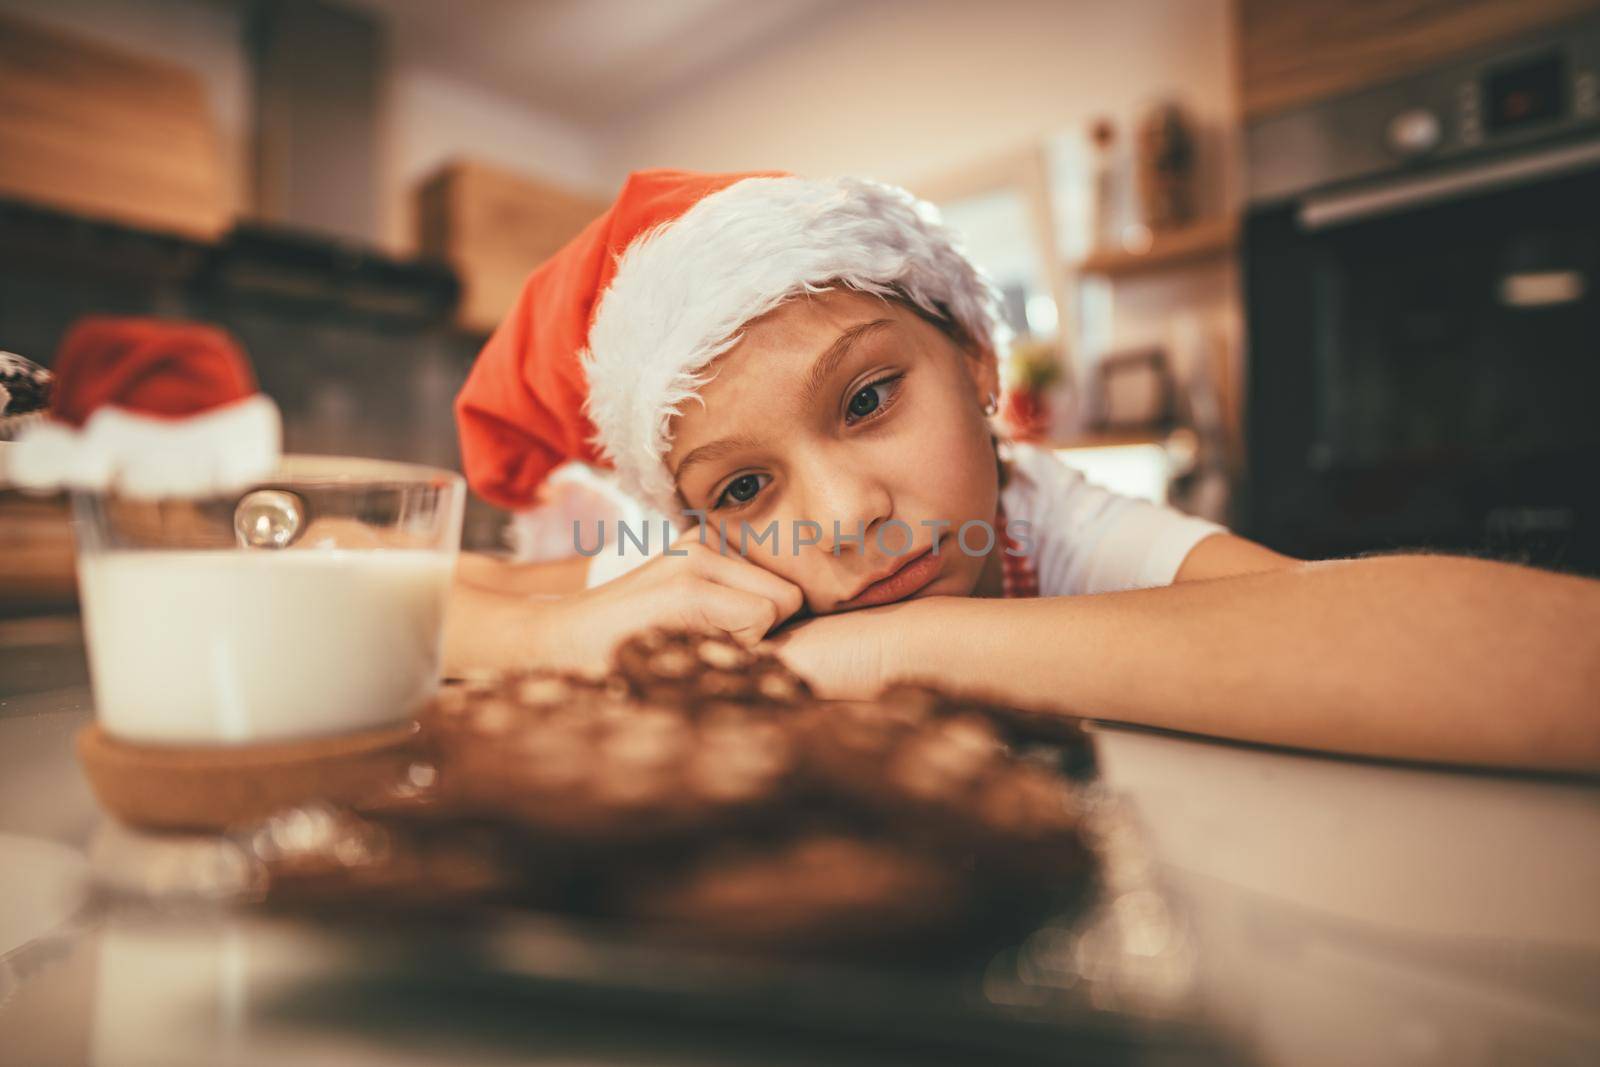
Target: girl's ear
983	367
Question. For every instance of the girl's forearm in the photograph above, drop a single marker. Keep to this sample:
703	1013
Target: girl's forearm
499	614
546	577
1424	657
488	631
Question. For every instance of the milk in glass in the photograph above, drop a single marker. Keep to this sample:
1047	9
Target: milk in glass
230	646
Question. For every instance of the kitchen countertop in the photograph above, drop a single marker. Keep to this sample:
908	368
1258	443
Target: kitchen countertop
1338	911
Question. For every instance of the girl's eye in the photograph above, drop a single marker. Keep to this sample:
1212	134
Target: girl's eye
865	402
741	490
870	399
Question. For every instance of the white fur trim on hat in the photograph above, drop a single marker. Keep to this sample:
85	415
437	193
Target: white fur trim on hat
581	507
221	450
684	290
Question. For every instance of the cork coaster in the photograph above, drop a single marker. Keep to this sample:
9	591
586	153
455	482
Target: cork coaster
160	787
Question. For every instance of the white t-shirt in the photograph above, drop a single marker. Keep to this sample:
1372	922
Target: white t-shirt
1086	539
1083	539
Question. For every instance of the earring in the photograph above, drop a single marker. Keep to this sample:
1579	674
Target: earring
992	406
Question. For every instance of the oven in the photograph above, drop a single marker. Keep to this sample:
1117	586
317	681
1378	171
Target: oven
1422	280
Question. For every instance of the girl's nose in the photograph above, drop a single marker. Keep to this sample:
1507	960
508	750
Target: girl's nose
849	504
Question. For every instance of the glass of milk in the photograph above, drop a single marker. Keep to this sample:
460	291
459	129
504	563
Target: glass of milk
308	605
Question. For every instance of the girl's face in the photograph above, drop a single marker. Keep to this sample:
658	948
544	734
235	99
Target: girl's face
857	415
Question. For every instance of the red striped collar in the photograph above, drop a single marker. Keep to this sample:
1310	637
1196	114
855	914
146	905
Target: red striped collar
1019	578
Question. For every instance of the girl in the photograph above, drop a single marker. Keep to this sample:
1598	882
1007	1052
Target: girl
797	375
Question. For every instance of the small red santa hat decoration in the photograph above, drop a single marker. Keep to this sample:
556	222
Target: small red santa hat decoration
612	334
149	408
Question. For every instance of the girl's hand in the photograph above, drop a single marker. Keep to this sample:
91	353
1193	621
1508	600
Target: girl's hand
701	590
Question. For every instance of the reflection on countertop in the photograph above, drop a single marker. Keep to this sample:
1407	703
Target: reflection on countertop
39	653
1354	912
1343	911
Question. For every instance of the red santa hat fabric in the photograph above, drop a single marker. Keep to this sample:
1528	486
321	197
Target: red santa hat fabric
149	367
149	407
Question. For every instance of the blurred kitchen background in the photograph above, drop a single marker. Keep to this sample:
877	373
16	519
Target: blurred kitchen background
1323	270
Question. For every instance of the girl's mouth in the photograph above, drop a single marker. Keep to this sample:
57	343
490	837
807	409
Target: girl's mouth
913	573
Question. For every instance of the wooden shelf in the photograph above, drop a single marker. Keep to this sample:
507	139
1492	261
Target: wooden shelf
1202	241
1102	440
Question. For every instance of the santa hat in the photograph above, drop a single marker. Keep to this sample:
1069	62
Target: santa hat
149	408
615	332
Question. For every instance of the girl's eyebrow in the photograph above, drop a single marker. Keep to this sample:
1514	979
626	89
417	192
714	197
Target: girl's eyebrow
707	453
821	370
829	361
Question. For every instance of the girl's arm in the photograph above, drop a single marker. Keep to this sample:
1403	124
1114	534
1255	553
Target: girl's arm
1223	555
496	609
1412	657
477	570
506	616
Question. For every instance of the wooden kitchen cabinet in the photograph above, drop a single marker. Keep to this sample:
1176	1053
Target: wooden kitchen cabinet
93	130
1293	52
38	566
493	227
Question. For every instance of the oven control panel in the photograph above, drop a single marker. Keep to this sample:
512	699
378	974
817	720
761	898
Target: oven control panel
1536	91
1544	87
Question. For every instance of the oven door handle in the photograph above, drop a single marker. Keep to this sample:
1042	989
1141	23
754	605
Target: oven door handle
1319	212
